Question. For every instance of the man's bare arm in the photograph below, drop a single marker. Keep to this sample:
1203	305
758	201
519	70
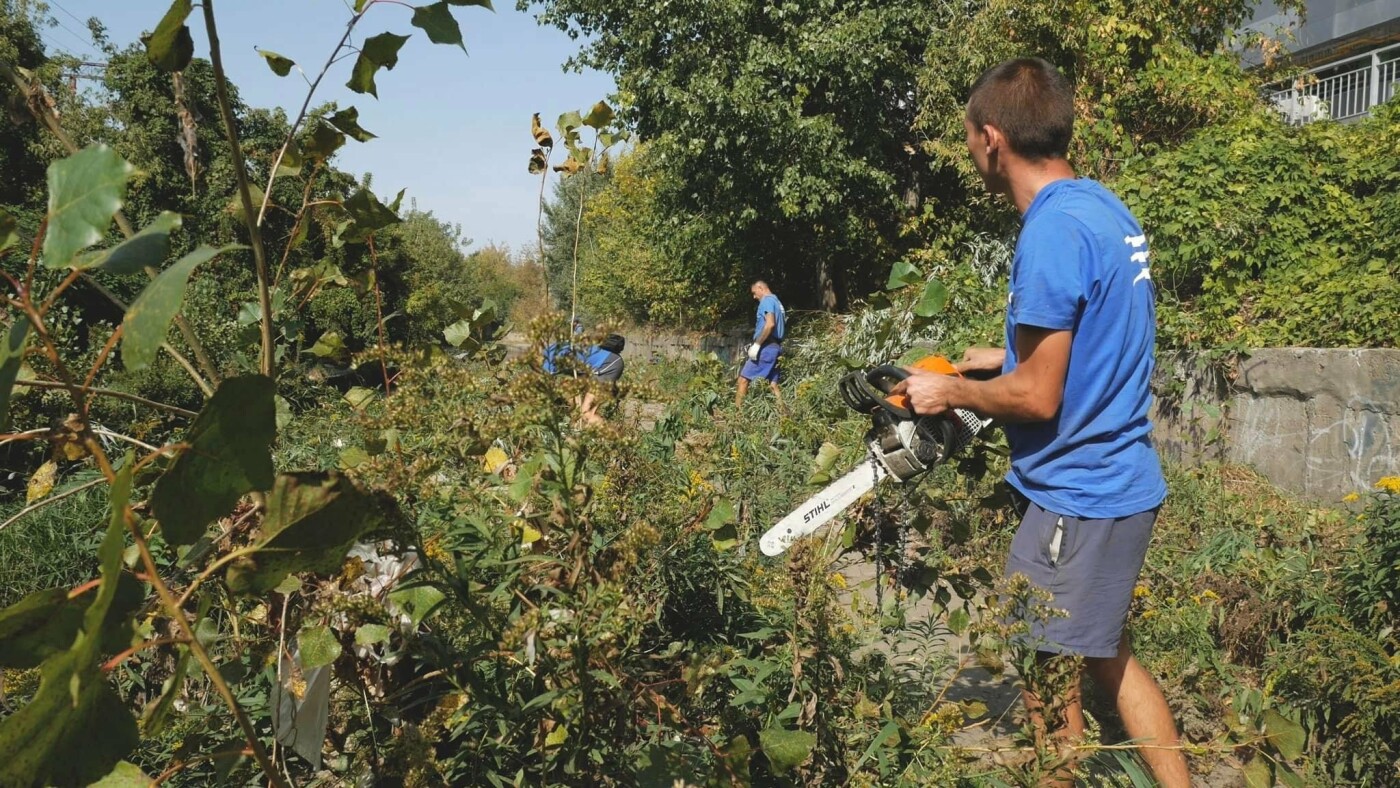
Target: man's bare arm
1030	392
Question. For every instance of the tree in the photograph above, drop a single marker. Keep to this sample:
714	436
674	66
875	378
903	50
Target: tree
784	129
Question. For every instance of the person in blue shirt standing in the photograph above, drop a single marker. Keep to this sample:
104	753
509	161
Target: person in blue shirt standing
762	363
1073	392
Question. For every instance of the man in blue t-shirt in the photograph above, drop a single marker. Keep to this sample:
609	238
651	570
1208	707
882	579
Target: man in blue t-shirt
771	325
1073	394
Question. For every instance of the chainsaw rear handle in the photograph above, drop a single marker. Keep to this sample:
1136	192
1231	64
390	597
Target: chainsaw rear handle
869	390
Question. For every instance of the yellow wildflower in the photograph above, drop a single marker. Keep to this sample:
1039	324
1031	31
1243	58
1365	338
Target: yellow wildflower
1390	484
1141	591
838	580
1350	497
1147	614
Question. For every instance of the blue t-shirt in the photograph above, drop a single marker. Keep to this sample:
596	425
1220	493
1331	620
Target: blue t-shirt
604	364
1081	265
770	305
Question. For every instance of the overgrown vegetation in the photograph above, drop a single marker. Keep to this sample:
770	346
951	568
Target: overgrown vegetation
282	512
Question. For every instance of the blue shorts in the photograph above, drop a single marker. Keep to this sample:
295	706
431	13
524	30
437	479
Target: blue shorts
766	367
1090	566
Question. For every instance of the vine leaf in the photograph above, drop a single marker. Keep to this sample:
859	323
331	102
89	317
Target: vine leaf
784	748
85	191
11	359
228	454
348	121
148	318
381	51
483	3
170	47
437	21
76	729
281	66
148	247
312	520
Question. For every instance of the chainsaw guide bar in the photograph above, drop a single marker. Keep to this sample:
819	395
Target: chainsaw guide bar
900	444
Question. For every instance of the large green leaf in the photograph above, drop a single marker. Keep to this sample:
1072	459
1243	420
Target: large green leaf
9	231
482	3
367	214
381	51
281	66
824	462
1287	736
932	300
784	748
902	275
46	622
600	116
323	142
437	21
417	601
348	121
11	359
319	646
170	47
1259	772
148	318
148	247
312	520
227	454
126	775
85	191
75	729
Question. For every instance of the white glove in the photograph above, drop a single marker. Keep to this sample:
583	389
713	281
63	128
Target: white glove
753	351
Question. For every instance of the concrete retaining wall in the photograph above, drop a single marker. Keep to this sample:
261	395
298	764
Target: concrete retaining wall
1318	422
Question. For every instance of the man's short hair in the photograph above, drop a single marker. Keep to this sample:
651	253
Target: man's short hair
614	343
1030	101
760	283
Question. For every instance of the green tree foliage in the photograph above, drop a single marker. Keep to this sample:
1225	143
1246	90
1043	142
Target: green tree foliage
629	273
785	129
1265	234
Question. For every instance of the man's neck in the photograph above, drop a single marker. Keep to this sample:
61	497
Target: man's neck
1030	177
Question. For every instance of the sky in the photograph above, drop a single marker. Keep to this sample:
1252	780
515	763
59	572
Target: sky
453	128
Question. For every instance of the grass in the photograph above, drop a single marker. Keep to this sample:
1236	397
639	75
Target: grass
53	547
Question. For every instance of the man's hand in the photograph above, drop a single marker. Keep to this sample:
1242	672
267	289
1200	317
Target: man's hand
982	359
753	351
929	393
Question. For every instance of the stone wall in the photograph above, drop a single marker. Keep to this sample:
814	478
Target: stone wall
1317	422
645	345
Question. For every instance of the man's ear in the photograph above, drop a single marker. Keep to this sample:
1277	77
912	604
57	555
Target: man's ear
993	138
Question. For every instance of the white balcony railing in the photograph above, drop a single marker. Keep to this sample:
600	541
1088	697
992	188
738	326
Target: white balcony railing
1343	90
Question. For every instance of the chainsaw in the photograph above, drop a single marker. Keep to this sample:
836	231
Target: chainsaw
901	445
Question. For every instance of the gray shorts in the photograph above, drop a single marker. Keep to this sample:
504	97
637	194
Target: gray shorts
1090	566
